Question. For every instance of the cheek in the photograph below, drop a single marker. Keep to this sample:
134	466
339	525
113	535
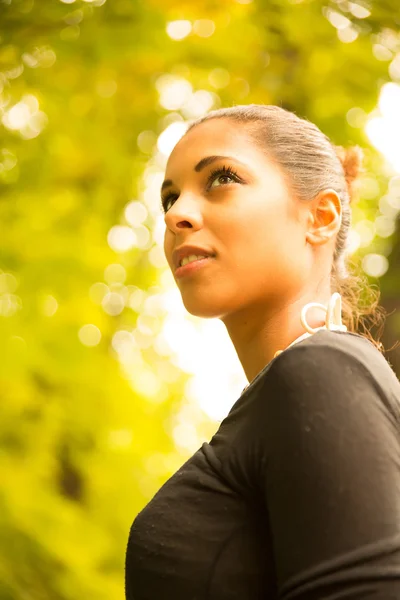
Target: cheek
269	243
269	229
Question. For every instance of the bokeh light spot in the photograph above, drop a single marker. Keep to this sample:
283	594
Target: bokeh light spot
384	130
121	238
385	226
336	19
353	241
178	30
381	52
143	239
360	12
174	91
49	305
135	213
198	104
366	230
356	117
10	304
347	35
375	265
168	139
97	292
157	257
113	304
89	335
146	141
204	27
394	67
146	383
136	298
219	78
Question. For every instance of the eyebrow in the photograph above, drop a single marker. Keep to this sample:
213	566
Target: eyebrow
202	164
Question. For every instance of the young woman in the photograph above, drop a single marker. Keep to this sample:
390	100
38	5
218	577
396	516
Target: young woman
297	495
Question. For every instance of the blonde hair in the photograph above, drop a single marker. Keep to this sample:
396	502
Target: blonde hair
310	163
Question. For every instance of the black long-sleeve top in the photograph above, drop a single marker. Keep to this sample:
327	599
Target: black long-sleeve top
295	497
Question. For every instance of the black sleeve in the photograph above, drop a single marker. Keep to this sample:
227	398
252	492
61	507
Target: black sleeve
330	477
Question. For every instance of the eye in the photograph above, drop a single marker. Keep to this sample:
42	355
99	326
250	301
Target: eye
223	176
221	179
165	201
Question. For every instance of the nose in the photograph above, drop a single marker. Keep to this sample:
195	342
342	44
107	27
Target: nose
185	212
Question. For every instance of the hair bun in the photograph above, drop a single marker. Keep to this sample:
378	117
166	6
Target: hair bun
351	159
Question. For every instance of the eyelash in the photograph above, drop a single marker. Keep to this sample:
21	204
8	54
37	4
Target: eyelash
227	171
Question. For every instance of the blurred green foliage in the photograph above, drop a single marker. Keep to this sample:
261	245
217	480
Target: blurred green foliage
81	448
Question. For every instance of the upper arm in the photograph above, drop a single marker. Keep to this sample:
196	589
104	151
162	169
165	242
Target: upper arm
330	477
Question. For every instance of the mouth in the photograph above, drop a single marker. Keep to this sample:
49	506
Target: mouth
193	266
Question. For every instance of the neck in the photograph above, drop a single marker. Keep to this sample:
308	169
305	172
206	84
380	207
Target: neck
258	333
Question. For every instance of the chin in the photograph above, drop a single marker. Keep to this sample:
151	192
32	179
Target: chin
201	310
211	299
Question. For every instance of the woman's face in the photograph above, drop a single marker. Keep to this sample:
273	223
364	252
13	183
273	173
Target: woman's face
238	207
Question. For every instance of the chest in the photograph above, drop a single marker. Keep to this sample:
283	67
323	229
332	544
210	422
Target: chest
200	538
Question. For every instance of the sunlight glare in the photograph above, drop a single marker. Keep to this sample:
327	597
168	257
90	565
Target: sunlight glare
178	30
384	129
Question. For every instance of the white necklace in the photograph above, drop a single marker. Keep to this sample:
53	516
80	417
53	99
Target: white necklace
333	321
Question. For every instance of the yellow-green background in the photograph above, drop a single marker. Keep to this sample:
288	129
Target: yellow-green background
81	448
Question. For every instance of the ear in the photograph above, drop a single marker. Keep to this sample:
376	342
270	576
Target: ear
324	217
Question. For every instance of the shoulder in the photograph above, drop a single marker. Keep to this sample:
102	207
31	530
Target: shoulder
343	341
325	349
333	365
327	449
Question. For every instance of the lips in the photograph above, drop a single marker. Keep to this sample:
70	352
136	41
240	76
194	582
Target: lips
183	251
192	267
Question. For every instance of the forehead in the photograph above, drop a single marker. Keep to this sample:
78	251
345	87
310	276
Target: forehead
214	137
